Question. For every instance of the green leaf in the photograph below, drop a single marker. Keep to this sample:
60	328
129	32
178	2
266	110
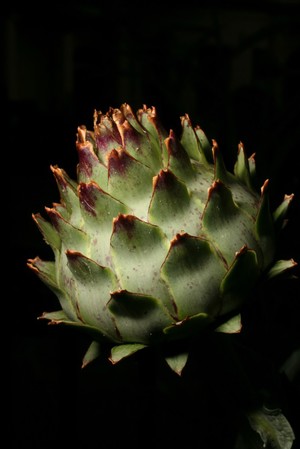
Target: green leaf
179	161
281	212
148	118
123	171
190	141
193	271
188	327
177	362
226	225
172	208
221	173
189	171
46	271
240	280
273	428
232	326
241	167
91	293
98	210
138	318
106	135
89	166
138	250
60	317
121	351
280	267
131	118
68	194
245	198
49	232
205	144
264	227
93	352
71	236
137	142
252	169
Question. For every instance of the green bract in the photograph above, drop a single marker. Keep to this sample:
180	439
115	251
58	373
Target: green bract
156	240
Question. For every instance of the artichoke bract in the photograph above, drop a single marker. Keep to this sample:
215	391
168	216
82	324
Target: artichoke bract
156	240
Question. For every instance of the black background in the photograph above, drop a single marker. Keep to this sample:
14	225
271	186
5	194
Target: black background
234	67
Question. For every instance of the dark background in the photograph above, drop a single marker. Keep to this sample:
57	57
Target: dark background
234	67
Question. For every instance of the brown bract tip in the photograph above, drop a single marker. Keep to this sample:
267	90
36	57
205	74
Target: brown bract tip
216	185
124	222
163	179
31	263
36	216
127	110
171	134
289	198
73	254
86	193
118	116
243	249
264	187
172	143
96	115
117	160
54	216
178	238
81	134
122	219
152	112
59	175
240	147
185	118
215	149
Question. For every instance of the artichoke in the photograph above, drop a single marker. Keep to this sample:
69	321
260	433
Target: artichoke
156	241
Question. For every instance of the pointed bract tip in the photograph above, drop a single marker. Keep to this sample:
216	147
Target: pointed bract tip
31	263
54	168
240	147
118	160
36	216
178	238
288	198
95	116
59	176
186	119
243	250
126	107
264	187
123	221
152	111
163	180
73	254
171	135
81	134
214	187
215	149
127	111
54	215
118	116
51	322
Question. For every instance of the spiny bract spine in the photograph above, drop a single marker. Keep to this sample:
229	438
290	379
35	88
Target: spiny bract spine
156	239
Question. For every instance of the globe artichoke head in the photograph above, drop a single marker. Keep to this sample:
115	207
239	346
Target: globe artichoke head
156	240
